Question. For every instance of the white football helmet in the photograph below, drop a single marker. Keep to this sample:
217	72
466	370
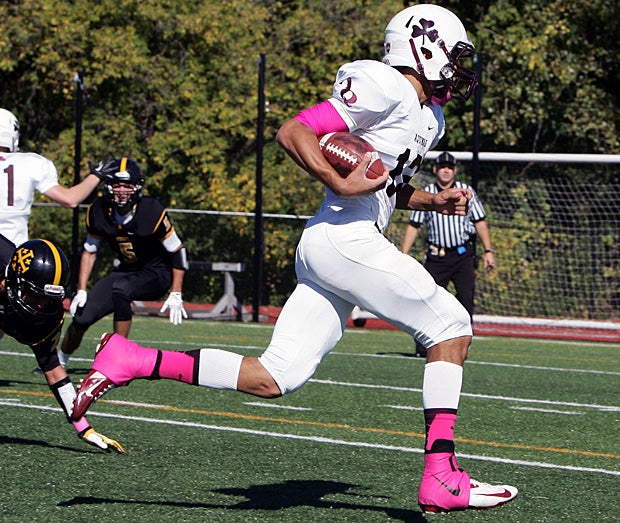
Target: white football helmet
9	130
431	40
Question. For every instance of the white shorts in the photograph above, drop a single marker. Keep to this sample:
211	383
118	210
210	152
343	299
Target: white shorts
338	267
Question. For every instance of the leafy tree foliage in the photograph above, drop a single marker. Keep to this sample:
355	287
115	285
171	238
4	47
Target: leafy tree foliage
174	85
550	75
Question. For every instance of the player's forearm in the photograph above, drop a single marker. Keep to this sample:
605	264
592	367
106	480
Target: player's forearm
87	264
301	144
419	200
416	199
71	197
178	275
449	201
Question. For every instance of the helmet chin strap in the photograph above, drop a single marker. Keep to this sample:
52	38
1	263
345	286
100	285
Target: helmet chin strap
416	56
441	97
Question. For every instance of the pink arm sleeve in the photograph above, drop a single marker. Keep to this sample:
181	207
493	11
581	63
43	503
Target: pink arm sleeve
322	118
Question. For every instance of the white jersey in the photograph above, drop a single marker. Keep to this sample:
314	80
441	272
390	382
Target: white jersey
379	104
20	175
342	260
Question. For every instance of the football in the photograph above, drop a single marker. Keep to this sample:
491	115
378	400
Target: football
344	151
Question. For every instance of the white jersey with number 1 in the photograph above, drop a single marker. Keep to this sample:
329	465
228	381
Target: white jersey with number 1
20	175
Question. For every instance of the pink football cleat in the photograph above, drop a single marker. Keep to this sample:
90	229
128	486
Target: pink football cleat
118	361
452	489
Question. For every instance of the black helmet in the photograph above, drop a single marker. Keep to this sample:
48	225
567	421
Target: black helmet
36	278
122	170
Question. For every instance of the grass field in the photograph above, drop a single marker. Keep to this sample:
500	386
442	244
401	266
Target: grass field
541	415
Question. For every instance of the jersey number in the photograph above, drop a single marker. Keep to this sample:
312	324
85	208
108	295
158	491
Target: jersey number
127	251
10	178
398	170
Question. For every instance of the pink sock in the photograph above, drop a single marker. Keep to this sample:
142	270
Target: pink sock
122	366
439	446
80	424
122	361
440	427
177	366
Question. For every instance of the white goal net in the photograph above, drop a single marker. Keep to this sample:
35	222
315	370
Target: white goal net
555	225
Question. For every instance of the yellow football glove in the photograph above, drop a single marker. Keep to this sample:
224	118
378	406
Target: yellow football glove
100	441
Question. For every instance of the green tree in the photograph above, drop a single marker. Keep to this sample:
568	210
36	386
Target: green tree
174	85
550	68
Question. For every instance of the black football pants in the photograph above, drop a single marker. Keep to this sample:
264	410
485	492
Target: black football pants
115	292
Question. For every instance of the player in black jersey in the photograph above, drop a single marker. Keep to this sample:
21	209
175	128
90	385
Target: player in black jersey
31	311
152	257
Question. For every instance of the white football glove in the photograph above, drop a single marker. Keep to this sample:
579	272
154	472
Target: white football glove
100	441
78	301
175	304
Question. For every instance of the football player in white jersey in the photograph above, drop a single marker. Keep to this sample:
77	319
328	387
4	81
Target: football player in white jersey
343	259
23	173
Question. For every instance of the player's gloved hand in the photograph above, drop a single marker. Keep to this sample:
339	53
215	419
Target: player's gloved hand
175	304
78	301
103	168
100	441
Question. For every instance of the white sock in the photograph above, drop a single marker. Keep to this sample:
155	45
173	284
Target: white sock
219	369
441	388
63	358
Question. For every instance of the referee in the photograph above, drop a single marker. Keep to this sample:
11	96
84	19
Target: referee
450	252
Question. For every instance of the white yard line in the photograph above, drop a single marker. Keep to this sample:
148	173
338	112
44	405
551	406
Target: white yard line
327	441
605	408
346	354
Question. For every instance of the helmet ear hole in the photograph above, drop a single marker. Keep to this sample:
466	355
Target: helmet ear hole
428	54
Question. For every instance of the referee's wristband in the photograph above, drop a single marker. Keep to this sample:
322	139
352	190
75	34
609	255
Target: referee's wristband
489	250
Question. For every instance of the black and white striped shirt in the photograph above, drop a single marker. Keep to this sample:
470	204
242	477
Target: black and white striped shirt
449	231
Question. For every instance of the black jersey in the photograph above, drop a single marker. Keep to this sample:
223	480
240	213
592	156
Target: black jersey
7	247
39	334
137	243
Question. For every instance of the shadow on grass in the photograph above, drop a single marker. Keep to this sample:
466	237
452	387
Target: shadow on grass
78	371
8	440
277	496
13	383
39	378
